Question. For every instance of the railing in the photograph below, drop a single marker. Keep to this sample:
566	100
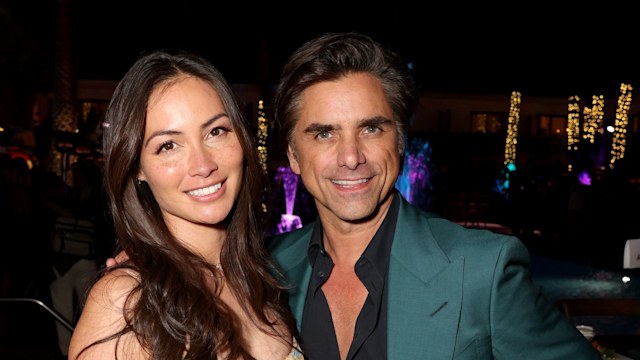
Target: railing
53	313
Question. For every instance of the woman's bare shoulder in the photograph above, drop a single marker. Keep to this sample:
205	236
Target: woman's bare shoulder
103	315
113	288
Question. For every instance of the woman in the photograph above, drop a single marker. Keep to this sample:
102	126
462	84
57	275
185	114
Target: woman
183	180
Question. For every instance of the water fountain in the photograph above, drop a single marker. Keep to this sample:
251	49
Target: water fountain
289	180
414	183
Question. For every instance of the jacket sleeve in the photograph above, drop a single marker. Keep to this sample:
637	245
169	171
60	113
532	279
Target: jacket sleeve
524	323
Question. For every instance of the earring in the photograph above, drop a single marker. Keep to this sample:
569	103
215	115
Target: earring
139	182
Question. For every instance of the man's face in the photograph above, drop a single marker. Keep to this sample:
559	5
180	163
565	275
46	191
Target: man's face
345	147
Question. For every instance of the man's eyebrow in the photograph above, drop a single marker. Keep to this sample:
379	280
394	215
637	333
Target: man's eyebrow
374	121
317	128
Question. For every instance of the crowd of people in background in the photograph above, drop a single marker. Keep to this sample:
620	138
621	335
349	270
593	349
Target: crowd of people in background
34	197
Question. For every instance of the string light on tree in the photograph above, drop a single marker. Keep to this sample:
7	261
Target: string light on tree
512	129
586	123
262	136
262	142
593	118
619	140
573	126
597	113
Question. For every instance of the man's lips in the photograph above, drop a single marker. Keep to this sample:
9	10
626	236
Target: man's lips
356	182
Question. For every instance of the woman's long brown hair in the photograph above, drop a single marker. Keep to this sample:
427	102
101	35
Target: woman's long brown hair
172	305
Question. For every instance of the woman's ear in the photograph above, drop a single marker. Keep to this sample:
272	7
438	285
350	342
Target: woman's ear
141	177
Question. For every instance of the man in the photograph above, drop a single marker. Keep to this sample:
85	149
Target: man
375	277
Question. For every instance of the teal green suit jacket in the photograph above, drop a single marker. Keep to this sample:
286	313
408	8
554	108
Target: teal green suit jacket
454	293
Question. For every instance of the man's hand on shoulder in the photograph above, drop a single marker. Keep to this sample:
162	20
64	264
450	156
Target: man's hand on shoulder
119	258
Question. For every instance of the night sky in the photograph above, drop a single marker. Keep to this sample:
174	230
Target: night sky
536	50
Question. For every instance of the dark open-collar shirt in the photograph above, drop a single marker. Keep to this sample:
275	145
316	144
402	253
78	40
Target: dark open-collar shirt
370	336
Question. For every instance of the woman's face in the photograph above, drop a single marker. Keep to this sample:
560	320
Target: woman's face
191	157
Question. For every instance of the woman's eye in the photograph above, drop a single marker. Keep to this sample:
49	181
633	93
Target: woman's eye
217	131
169	145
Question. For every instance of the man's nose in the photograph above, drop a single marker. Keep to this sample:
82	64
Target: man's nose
350	153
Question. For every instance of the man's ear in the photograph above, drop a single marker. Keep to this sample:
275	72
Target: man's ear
293	162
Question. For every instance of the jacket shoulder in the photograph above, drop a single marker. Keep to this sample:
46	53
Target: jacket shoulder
279	242
455	239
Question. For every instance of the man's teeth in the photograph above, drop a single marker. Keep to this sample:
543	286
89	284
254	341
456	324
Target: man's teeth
349	182
205	191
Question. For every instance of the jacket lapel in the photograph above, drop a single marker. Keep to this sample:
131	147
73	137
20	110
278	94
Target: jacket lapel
425	287
425	292
290	250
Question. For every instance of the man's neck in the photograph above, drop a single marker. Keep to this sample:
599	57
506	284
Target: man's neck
345	241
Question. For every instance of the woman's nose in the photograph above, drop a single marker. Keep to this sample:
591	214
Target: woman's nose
202	162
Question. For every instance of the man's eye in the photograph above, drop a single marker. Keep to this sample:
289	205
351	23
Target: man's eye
371	129
323	135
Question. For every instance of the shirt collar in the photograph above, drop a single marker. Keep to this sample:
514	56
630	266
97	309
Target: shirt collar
378	250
